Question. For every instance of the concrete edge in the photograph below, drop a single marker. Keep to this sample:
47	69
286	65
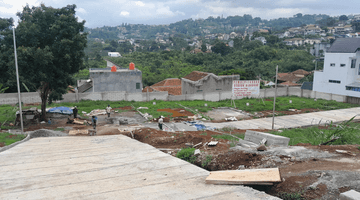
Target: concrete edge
16	143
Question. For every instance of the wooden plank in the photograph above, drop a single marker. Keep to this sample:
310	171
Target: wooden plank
78	132
245	177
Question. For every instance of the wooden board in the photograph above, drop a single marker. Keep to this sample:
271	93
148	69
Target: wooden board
245	177
78	132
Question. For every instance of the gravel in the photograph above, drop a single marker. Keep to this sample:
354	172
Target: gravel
46	133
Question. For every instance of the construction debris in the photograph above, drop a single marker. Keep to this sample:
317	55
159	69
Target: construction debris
345	152
231	119
261	148
245	177
97	112
213	143
142	108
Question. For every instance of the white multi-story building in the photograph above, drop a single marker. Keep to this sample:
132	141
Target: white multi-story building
341	73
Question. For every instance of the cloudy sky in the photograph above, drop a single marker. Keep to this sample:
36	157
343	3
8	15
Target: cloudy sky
115	12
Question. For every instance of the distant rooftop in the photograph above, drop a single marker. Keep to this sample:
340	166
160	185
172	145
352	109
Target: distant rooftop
108	69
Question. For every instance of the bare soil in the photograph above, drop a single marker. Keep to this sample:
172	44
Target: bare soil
177	112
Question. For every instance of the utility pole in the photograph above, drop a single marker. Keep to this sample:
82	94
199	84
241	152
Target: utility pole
272	127
18	83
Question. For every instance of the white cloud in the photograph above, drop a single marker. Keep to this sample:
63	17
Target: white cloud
81	10
12	7
139	3
124	13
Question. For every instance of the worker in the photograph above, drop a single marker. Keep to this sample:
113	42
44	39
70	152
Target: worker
160	120
75	111
93	120
108	110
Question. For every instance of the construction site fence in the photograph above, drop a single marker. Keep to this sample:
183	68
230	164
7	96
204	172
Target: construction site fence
33	97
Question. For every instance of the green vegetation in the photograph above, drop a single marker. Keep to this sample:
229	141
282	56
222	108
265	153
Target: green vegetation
207	161
290	196
255	105
247	58
346	132
187	155
204	133
59	129
8	138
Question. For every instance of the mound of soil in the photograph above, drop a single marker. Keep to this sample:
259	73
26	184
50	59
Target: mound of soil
177	140
2	144
176	112
232	160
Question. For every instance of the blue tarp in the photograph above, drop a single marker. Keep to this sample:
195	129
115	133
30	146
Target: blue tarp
61	110
199	126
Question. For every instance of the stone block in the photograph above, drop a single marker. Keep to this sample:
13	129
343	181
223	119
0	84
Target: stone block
350	195
256	137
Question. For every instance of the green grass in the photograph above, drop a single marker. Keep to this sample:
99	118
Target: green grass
4	138
290	196
187	154
59	129
203	133
7	112
348	133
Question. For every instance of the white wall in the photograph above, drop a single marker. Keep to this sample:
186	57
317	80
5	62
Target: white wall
33	97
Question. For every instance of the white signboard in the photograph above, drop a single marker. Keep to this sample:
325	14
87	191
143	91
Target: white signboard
246	88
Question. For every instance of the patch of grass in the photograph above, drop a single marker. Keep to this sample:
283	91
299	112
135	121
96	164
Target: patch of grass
233	144
7	112
207	161
8	138
347	132
59	129
290	196
227	128
203	133
187	154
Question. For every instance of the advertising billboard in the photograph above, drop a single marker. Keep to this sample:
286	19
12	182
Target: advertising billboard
246	88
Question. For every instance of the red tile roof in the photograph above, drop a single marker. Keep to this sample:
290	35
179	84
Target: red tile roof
196	75
168	82
294	76
171	85
301	72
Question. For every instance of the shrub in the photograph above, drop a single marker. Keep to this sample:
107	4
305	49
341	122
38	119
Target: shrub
207	161
187	154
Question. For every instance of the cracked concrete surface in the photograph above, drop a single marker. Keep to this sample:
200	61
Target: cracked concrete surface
105	167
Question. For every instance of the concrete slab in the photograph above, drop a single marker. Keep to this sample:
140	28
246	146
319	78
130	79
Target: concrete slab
256	137
105	167
350	195
293	121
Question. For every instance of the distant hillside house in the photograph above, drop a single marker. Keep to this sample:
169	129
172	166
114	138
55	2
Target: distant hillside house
114	54
206	82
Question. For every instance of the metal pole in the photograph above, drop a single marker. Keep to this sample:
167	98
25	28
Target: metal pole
272	127
18	83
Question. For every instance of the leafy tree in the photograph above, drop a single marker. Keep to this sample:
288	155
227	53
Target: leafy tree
221	48
343	18
203	47
51	49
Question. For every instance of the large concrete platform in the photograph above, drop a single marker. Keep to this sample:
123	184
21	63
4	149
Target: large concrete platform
105	167
293	121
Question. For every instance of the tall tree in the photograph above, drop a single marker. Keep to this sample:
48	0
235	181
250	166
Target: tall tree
50	49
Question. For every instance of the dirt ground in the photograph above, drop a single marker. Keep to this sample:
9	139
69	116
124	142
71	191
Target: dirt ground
314	178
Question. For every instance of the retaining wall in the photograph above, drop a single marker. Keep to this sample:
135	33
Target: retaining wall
33	97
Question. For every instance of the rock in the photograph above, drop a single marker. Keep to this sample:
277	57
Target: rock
261	148
241	167
197	152
293	159
11	124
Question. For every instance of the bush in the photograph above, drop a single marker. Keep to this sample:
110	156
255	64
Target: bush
207	161
187	155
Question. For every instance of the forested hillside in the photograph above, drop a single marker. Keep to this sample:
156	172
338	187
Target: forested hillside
201	27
